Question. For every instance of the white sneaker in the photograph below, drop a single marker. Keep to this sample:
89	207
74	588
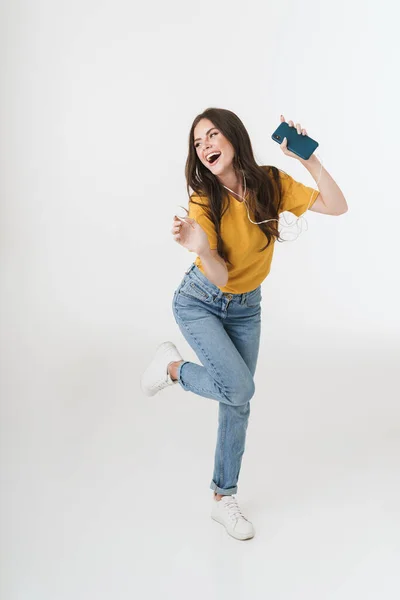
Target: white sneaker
156	376
227	512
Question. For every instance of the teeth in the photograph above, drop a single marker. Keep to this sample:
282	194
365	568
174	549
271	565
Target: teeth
212	154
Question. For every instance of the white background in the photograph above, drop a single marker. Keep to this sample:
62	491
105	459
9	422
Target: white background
104	492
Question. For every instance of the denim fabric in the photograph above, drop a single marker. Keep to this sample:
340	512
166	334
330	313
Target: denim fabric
224	331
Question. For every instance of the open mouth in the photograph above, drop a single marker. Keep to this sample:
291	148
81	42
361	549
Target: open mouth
213	158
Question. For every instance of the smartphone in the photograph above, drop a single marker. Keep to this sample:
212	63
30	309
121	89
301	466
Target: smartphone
299	144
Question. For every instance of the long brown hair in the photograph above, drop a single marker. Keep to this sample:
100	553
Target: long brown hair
263	182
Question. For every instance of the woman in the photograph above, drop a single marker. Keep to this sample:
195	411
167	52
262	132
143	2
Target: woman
217	305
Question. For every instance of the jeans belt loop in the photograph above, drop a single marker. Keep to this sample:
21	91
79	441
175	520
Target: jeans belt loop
189	269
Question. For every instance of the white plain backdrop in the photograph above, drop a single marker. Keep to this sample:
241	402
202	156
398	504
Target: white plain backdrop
104	493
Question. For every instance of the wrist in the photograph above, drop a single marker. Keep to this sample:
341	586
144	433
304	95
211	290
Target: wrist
204	253
310	162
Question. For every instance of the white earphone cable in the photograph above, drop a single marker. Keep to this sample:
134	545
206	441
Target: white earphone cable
283	218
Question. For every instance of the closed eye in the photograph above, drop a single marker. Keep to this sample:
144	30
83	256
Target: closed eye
213	133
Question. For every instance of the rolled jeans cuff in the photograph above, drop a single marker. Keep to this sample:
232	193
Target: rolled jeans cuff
219	490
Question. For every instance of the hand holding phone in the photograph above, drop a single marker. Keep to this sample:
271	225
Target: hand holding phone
301	145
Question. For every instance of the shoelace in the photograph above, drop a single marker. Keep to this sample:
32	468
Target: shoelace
233	508
162	383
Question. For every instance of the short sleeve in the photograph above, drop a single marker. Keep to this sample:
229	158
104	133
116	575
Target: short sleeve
197	213
295	195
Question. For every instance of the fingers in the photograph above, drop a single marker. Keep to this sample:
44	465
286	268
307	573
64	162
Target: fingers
176	228
298	126
300	131
186	220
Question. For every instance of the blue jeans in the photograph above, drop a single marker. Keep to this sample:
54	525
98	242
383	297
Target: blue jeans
224	331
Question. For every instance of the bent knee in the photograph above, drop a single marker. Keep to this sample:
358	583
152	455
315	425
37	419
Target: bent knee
242	393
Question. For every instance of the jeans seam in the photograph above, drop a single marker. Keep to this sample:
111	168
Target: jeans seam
193	387
223	436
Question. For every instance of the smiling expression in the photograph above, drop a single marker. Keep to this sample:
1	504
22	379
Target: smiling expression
209	141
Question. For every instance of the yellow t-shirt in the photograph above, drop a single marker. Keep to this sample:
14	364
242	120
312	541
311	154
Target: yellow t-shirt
242	238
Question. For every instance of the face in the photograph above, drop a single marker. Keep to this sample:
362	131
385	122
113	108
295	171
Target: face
209	139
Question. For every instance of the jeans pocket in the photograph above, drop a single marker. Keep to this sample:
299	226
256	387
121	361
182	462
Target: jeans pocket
254	298
193	289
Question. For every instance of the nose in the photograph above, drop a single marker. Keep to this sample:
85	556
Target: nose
206	147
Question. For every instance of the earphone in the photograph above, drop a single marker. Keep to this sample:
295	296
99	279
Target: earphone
283	218
301	218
